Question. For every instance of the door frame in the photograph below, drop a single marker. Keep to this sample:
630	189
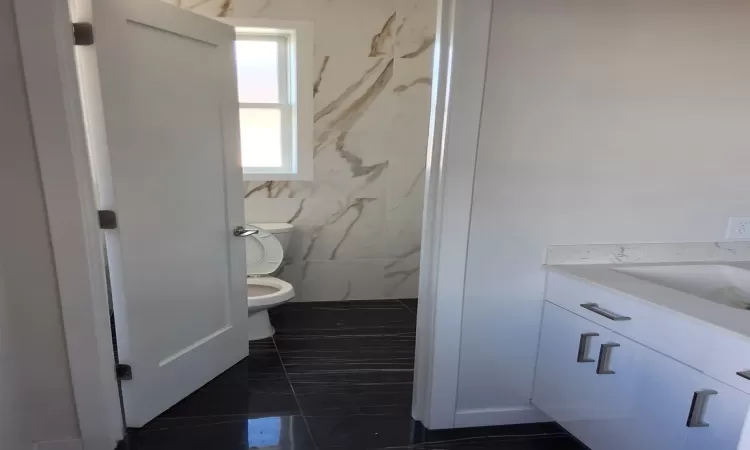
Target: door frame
47	53
461	50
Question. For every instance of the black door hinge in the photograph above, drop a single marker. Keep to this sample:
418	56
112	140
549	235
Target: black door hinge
107	219
83	33
123	372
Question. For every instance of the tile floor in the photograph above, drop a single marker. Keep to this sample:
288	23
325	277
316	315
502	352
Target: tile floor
336	376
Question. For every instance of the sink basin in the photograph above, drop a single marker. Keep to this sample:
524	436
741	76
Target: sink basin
718	283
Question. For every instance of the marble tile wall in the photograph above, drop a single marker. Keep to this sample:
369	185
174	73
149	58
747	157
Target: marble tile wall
358	224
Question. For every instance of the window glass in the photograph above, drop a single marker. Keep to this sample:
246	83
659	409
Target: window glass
257	70
260	137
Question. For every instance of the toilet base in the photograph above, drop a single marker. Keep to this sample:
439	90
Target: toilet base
259	326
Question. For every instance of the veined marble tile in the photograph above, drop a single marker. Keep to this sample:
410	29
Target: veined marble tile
339	229
417	23
372	89
648	253
403	227
339	280
354	94
355	164
408	154
402	275
357	23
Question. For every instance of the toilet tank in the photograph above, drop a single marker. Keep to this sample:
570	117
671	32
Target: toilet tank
282	232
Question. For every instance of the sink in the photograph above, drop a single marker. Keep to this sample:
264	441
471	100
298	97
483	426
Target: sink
718	283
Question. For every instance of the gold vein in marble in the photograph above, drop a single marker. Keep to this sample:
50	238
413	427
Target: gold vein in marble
297	213
403	275
358	205
421	80
382	39
263	7
348	290
356	165
351	114
331	107
273	189
319	78
401	257
426	43
224	9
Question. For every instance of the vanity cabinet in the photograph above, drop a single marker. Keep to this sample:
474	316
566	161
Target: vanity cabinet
613	393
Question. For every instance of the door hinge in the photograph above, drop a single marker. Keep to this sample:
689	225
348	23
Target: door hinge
107	219
123	372
83	33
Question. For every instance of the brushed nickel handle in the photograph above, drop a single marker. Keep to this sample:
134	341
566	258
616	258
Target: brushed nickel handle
594	307
697	407
241	231
744	374
605	354
583	347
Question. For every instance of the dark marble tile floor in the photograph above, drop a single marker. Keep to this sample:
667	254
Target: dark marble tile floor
336	376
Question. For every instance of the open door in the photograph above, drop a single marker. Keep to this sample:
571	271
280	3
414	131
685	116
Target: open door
172	173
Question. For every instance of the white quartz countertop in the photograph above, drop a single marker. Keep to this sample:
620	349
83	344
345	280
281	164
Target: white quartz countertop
729	319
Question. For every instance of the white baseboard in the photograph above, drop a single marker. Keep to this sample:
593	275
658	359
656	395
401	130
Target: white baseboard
61	444
499	416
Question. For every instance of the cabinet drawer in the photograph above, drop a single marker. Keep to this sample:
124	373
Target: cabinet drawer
683	338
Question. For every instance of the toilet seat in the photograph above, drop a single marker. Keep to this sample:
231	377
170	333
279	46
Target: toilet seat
285	292
263	252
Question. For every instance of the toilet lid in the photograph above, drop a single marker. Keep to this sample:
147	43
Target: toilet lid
263	252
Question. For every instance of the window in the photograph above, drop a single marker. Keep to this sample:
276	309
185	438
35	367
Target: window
274	86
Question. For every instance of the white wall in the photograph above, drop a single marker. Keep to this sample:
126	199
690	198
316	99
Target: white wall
36	399
603	122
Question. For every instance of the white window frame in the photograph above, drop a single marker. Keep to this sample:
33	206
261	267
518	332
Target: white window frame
295	95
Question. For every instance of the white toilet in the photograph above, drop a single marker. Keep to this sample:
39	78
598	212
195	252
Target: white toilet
264	254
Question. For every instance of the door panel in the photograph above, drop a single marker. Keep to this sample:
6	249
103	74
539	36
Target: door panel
653	399
723	413
564	388
171	117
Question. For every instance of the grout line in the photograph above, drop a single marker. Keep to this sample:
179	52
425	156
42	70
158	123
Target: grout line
407	308
294	393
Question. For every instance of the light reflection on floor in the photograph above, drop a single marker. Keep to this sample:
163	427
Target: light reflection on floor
264	433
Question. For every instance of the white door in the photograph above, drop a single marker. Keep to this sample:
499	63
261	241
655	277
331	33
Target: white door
169	102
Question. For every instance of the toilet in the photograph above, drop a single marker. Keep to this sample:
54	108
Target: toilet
264	255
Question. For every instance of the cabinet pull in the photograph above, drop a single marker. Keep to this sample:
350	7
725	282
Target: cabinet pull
744	374
695	417
605	354
594	307
583	347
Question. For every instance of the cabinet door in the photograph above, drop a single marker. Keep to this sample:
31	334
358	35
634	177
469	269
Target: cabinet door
615	386
654	411
564	386
666	395
719	418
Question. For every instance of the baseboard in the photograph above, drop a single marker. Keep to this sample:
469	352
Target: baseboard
499	416
61	444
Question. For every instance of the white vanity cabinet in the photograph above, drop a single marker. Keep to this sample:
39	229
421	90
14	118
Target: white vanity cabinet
613	393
